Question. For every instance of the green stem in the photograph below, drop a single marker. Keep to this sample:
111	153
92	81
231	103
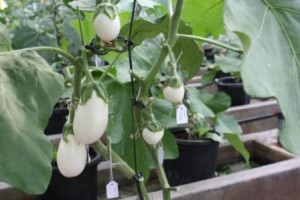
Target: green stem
59	51
170	8
148	81
171	40
120	165
85	66
174	24
109	67
80	26
76	88
210	41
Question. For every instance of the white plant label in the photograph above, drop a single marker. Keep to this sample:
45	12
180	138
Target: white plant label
112	190
181	115
160	155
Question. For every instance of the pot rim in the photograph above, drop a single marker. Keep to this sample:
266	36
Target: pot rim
221	81
188	141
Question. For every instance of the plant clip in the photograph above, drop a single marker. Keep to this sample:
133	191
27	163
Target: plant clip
137	103
137	178
92	47
128	42
214	131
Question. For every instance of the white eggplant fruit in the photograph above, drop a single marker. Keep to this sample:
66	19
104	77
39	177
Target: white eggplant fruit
105	28
152	137
173	95
71	157
90	120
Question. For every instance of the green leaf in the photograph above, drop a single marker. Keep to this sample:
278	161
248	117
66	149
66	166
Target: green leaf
29	37
122	128
205	16
228	64
142	60
164	112
121	96
238	145
217	102
170	145
227	124
191	58
28	91
196	103
208	77
208	104
87	26
271	65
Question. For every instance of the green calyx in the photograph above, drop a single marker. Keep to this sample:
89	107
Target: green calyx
153	125
107	9
174	82
87	91
68	129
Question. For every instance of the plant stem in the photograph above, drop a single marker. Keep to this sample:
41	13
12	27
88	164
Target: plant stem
161	175
170	8
210	41
120	165
148	81
174	24
171	40
59	51
76	88
85	66
109	67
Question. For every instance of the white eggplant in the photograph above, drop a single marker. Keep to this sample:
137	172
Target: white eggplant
105	28
90	120
174	95
71	157
151	137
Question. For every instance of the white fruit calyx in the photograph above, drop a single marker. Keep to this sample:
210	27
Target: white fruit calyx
106	22
71	157
90	120
173	91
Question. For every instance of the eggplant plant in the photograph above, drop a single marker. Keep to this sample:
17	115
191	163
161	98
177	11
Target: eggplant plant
161	47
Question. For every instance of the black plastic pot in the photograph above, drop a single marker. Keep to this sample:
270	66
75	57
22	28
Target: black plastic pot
57	121
234	88
82	187
197	161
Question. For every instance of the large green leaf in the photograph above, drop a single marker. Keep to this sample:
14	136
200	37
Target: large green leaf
191	57
26	36
143	57
122	128
121	94
28	91
271	64
205	16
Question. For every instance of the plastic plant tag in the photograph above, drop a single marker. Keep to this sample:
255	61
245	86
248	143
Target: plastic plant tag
160	155
112	190
181	114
